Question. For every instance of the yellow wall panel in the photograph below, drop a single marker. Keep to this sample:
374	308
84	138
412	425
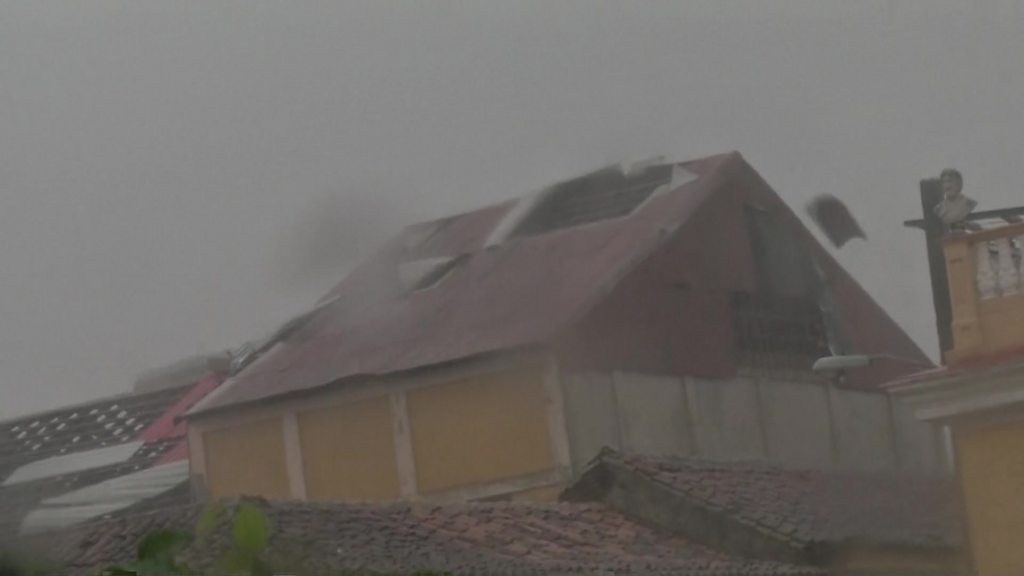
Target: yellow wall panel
247	459
348	452
480	429
991	468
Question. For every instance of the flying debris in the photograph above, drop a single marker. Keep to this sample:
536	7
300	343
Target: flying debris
834	220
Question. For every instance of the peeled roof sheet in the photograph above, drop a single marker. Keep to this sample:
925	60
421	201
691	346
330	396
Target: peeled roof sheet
72	463
104	497
95	424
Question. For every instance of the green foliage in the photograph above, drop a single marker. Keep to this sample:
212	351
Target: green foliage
156	556
158	552
248	554
210	519
251	530
250	534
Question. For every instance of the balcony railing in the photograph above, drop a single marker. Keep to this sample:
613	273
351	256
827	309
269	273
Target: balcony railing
998	267
986	284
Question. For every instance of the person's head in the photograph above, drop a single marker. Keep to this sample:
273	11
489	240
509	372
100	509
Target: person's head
952	182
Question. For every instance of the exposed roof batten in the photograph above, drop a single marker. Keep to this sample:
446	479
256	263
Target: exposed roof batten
602	195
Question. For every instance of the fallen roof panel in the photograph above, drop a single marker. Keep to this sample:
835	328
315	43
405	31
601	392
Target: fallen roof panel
72	463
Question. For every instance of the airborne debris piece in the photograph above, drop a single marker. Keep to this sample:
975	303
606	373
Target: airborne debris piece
104	497
835	220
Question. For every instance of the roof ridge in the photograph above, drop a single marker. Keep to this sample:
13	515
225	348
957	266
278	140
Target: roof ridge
765	465
514	199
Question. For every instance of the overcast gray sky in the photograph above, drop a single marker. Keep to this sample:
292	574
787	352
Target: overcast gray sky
178	177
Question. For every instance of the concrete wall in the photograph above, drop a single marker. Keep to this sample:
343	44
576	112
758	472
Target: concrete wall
919	444
591	416
864	430
800	422
514	428
484	429
651	412
247	460
982	326
796	422
990	463
348	452
480	429
725	416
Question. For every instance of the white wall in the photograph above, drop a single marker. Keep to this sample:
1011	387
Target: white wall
649	411
725	418
801	423
591	416
865	434
797	423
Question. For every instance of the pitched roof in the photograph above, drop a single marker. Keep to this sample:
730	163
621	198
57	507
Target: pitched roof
802	508
521	272
508	296
479	538
145	425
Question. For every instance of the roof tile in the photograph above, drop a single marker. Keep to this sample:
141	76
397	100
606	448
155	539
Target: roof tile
812	506
460	538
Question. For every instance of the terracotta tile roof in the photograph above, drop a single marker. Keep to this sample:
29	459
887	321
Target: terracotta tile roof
479	538
810	507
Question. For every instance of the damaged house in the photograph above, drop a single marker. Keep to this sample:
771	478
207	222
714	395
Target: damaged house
109	456
671	309
634	343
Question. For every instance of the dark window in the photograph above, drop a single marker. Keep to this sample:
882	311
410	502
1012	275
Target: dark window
778	331
780	260
597	196
780	325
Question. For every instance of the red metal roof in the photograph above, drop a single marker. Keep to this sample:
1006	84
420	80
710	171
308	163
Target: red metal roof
515	294
524	291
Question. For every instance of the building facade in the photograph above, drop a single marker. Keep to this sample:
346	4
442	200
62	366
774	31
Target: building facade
979	393
671	309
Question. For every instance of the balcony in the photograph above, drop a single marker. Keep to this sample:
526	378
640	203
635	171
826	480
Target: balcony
986	286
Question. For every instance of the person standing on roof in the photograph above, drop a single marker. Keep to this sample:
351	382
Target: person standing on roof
954	208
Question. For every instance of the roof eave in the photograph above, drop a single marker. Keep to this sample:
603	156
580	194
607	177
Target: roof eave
200	412
947	396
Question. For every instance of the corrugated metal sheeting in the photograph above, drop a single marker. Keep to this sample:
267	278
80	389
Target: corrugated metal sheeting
104	498
72	463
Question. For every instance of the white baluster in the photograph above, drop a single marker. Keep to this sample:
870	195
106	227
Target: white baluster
1008	277
984	275
1015	256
